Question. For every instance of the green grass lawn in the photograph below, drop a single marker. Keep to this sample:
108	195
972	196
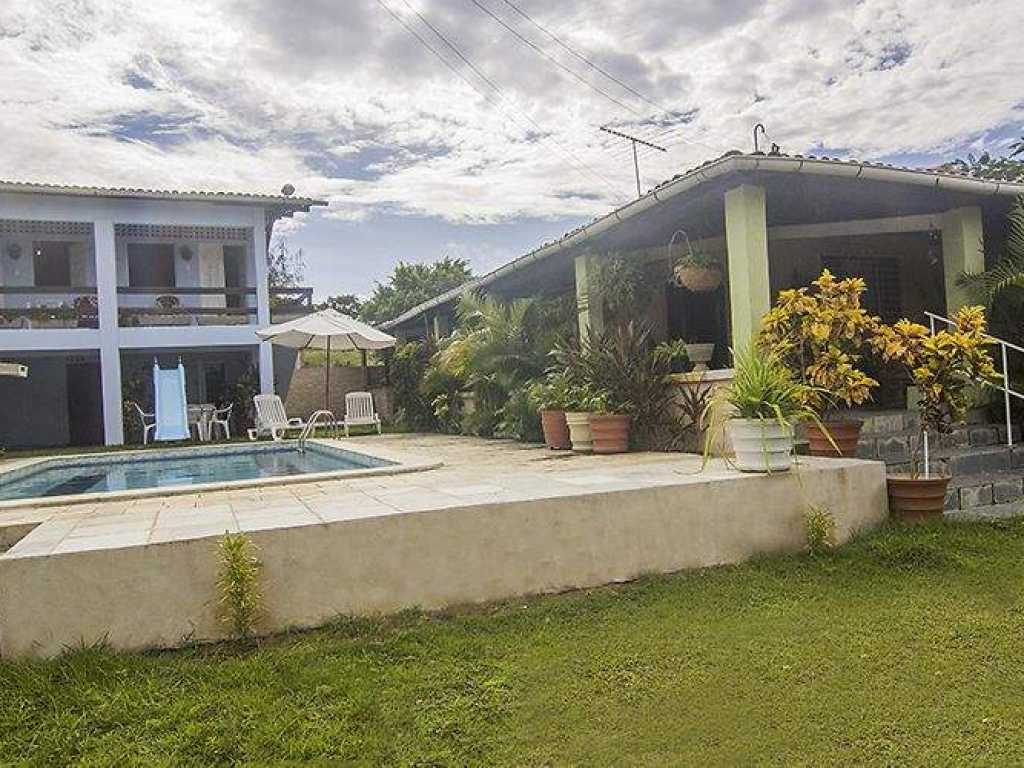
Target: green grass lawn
906	647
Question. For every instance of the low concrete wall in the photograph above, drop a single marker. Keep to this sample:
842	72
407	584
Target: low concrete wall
163	594
306	390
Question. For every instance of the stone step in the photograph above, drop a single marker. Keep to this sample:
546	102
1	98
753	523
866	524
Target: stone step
989	512
970	460
983	489
897	447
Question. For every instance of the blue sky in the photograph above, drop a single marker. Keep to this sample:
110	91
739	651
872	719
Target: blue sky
499	149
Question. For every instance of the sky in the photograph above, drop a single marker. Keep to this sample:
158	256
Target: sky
470	128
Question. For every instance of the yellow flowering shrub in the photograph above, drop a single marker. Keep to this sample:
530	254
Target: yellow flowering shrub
821	335
944	366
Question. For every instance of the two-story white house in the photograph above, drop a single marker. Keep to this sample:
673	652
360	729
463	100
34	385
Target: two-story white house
95	283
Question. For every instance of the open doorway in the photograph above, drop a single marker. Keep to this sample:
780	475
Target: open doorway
85	402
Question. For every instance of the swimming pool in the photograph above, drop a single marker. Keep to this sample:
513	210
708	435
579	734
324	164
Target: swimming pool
177	468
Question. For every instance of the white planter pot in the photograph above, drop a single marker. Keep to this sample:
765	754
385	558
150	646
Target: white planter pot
761	446
700	355
579	431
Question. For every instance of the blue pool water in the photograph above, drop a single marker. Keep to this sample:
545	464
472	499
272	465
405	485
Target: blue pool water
175	467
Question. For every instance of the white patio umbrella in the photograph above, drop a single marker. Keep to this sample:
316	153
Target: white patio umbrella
327	330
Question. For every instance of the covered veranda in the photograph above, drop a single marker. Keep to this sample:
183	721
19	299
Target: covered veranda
772	222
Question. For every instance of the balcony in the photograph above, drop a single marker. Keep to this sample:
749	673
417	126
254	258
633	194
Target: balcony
40	306
171	306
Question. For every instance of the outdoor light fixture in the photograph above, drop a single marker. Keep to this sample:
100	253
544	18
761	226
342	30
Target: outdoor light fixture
185	252
13	251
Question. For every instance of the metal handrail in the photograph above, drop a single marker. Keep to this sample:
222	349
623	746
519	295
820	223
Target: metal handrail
311	425
1007	391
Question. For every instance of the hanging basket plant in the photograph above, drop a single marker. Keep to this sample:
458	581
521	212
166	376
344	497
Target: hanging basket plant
697	270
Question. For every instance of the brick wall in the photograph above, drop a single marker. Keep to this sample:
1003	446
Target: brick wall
306	390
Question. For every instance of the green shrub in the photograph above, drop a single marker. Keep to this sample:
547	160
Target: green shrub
520	417
238	583
414	406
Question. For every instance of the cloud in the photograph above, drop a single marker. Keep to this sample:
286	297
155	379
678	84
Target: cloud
342	101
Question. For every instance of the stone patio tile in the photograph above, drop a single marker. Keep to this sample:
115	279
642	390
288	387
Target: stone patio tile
471	489
414	501
130	538
184	532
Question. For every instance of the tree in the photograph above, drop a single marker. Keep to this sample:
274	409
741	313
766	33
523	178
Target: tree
412	284
346	303
285	267
985	166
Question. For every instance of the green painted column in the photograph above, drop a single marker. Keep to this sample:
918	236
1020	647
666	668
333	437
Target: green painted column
589	308
961	252
746	242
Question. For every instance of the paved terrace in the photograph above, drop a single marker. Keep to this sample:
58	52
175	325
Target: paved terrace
474	471
498	519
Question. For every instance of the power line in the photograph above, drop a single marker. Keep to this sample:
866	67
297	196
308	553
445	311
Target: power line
487	97
583	58
553	60
606	73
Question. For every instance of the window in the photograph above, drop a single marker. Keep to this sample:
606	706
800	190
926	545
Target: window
52	264
151	265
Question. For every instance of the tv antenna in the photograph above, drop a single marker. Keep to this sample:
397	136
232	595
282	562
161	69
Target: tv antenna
636	161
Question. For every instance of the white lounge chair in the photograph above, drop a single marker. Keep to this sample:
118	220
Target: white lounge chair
148	422
271	418
359	411
221	417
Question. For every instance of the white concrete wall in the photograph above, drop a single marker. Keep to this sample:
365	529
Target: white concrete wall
163	594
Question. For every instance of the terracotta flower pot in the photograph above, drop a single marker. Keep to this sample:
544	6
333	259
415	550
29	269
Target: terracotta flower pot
610	432
917	499
579	431
556	430
845	435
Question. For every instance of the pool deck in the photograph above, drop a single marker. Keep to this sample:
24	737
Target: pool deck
496	519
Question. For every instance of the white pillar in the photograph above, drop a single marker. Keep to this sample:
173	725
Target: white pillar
961	252
746	240
110	346
259	255
589	306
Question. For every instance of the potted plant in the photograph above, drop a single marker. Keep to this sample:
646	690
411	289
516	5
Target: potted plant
700	354
821	336
550	397
697	271
674	354
578	404
609	427
758	411
944	367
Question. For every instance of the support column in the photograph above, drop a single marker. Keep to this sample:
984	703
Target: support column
259	257
961	252
589	307
110	334
746	240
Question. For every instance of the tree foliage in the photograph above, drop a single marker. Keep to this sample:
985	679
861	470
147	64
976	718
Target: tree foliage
988	166
412	284
285	267
345	303
1005	280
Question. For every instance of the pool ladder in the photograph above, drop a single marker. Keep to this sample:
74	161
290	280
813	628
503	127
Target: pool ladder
311	425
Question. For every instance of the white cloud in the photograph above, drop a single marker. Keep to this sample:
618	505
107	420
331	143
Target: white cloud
341	101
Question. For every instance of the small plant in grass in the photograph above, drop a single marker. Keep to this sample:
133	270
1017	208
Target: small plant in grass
238	583
820	530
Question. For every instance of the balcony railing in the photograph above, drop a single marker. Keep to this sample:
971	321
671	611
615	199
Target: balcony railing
48	306
165	305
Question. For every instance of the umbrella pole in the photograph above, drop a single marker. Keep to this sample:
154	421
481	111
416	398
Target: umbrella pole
327	385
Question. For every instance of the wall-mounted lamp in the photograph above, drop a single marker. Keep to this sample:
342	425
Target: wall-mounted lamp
13	251
185	252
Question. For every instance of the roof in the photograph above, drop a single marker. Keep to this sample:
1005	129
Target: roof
731	162
228	198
